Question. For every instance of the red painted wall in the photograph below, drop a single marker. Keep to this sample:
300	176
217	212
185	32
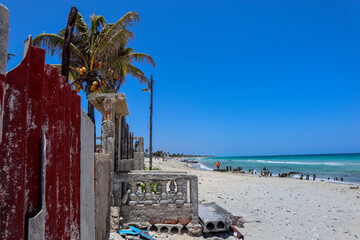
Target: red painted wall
36	97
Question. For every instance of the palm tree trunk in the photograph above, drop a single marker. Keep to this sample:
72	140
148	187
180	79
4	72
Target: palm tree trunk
65	63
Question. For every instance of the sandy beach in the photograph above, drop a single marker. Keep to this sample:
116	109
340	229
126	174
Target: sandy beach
279	208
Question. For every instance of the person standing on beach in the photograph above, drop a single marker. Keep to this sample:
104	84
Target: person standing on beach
218	165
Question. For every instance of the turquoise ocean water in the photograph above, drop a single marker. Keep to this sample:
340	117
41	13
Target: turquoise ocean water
346	166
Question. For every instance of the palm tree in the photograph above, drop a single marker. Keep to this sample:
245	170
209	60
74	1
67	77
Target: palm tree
99	57
121	65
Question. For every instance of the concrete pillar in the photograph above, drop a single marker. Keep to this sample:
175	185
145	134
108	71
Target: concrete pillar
194	198
141	144
4	37
108	144
118	141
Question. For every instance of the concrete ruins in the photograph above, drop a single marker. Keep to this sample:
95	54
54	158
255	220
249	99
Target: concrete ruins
153	200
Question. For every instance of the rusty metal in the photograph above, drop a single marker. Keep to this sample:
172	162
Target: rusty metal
238	233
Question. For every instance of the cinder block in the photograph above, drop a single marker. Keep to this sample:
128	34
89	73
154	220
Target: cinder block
214	218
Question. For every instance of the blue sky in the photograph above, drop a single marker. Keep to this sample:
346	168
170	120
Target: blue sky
232	77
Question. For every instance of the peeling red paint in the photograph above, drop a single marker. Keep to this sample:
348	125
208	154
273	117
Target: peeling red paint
36	97
50	118
33	132
12	175
67	91
75	171
2	98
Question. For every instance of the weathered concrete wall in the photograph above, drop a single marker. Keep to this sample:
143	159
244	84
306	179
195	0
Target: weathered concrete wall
102	195
147	213
126	165
139	161
167	206
87	198
4	37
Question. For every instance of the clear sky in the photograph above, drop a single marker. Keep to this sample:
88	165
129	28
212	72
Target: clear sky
238	77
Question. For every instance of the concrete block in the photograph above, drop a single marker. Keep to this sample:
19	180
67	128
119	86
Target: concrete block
4	37
87	198
171	228
214	218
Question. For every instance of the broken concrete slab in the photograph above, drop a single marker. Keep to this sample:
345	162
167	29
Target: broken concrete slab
214	218
119	100
115	236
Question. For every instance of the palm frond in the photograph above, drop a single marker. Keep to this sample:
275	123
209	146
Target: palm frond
129	19
141	57
53	44
73	74
105	29
137	73
96	23
80	26
62	33
9	56
114	48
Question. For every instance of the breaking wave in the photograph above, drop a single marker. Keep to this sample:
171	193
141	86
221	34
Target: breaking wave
306	163
200	166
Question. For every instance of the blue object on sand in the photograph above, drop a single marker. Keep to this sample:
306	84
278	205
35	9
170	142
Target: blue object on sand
126	232
136	231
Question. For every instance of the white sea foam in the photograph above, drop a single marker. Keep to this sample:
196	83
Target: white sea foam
306	163
200	166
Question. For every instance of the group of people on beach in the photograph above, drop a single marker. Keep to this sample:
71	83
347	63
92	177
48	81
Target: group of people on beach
279	175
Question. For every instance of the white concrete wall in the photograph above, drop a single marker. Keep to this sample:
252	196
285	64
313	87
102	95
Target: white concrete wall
102	195
87	178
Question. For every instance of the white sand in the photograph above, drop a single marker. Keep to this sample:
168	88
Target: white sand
279	208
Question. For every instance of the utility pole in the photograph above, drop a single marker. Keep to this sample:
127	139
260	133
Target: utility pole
151	112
